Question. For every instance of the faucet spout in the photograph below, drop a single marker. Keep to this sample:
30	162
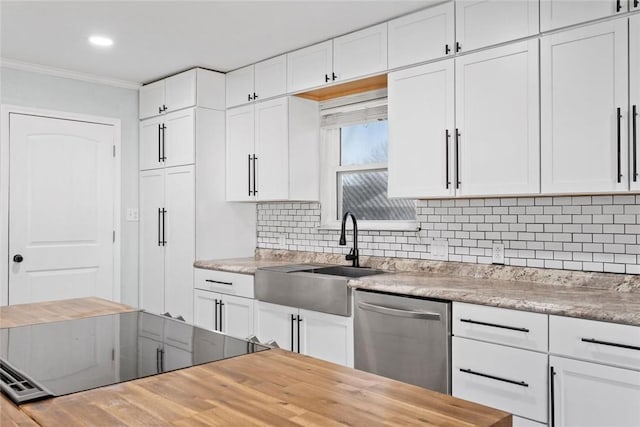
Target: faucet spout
353	254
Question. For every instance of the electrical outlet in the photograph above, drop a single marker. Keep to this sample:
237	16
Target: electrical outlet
497	253
132	214
439	250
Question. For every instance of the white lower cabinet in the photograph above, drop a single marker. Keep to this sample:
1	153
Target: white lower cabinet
228	314
506	378
324	336
590	394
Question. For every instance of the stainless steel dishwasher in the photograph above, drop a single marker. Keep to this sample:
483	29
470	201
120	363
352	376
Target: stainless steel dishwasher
404	338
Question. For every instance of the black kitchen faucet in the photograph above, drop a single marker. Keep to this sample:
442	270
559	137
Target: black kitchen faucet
353	253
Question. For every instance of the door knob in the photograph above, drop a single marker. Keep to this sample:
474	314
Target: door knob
18	258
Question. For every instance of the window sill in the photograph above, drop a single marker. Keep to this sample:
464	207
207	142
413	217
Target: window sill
374	226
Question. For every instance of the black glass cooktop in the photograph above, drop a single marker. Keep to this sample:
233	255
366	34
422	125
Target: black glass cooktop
54	359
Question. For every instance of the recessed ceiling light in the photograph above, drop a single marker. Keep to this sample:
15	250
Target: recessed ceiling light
100	41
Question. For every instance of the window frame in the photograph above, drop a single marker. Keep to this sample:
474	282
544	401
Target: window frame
330	189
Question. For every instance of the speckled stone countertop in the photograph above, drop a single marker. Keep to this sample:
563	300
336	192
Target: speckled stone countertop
597	296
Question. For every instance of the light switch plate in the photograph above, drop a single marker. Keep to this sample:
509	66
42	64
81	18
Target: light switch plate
132	214
439	250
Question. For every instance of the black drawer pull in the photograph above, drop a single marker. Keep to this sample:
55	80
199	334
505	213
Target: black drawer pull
480	374
612	344
495	325
618	118
218	282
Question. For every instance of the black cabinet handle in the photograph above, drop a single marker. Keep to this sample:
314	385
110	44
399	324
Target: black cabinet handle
458	47
158	360
18	258
636	3
552	396
255	96
446	157
164	236
164	108
447	49
493	377
255	189
326	78
293	319
221	305
162	360
611	344
333	76
495	325
618	118
634	137
215	318
164	137
218	282
159	226
159	143
159	110
457	158
618	5
248	97
249	173
299	320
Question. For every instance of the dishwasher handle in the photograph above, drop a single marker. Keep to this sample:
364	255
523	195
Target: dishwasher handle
412	314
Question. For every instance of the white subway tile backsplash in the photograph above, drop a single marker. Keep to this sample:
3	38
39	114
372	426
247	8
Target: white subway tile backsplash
591	233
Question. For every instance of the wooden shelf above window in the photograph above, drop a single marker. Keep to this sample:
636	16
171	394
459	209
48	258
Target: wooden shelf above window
344	89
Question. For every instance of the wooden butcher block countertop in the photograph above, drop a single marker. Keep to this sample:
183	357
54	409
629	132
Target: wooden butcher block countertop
273	387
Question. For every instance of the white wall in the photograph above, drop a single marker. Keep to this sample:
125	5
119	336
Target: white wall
37	90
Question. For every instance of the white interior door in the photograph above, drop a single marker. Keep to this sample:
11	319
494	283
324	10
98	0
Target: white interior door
61	209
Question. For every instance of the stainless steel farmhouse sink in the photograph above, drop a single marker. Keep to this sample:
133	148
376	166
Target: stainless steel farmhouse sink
309	286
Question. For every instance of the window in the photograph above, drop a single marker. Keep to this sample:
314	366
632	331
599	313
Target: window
354	165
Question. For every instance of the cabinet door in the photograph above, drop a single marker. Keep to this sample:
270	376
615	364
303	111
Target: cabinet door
180	241
421	125
151	144
180	91
361	53
148	356
240	86
584	82
561	13
497	118
421	36
589	394
151	99
237	316
175	358
482	23
309	67
634	92
272	149
271	77
204	308
179	138
276	322
239	142
151	249
327	337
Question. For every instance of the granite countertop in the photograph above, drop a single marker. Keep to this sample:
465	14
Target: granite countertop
596	296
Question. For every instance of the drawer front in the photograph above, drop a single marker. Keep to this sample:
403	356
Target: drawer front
506	378
225	283
501	326
178	334
601	342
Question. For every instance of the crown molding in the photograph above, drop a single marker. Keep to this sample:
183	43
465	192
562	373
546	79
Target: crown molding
69	74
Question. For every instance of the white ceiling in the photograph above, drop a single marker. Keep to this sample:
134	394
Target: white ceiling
157	38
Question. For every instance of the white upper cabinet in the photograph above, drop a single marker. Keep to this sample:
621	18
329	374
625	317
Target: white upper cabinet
168	140
270	78
240	86
421	127
561	13
584	100
361	53
196	87
310	67
421	36
151	144
482	23
497	143
634	101
273	150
